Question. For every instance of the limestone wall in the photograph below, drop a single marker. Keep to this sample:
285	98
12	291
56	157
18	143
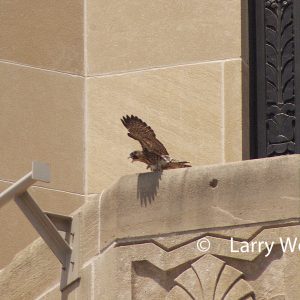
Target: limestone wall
141	238
70	69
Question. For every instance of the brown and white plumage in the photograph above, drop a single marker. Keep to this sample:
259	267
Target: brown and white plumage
153	153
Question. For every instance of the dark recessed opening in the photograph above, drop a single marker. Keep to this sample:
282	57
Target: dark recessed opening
213	183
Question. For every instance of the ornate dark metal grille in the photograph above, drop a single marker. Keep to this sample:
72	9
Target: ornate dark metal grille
276	74
280	96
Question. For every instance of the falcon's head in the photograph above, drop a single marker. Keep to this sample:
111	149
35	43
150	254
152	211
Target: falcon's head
136	156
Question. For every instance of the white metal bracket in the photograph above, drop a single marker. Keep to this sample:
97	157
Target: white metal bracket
60	233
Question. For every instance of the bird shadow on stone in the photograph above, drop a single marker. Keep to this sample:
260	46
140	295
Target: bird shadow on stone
147	187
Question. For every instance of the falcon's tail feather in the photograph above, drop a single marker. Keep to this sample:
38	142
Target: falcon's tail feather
174	164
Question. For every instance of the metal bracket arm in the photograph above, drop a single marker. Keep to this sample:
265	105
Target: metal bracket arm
40	172
44	227
47	225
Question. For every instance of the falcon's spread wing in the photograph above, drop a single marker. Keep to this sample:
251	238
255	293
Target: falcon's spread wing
143	133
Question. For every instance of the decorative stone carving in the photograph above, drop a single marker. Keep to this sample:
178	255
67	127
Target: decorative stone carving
162	268
210	278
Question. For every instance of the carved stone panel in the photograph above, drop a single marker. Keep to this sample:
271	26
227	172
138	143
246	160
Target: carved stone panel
210	278
161	268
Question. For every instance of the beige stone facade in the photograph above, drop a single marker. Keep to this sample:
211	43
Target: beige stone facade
69	70
153	244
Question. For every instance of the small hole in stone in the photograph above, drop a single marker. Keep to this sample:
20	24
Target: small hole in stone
213	183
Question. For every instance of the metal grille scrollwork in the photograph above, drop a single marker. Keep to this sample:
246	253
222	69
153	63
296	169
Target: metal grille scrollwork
276	71
280	96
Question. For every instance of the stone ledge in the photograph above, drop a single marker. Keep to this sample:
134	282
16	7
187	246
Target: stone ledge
221	201
247	192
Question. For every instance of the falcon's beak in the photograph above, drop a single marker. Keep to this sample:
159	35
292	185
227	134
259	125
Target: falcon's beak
130	158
